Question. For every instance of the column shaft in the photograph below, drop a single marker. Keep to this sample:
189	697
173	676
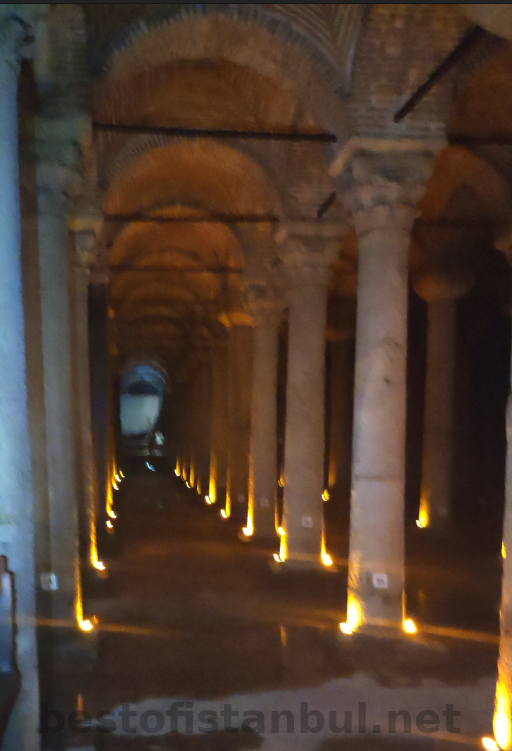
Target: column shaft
376	565
436	483
83	374
219	425
263	444
61	448
304	434
239	405
16	504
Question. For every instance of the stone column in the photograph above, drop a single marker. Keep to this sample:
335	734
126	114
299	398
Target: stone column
85	241
98	353
308	253
387	188
53	181
340	335
503	703
239	416
17	534
219	422
263	442
436	482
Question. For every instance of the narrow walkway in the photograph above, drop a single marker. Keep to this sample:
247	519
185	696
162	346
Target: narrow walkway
191	613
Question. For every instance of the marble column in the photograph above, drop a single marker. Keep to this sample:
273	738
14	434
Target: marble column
441	296
503	702
239	419
219	422
55	270
98	355
307	257
85	241
261	517
341	360
387	187
17	512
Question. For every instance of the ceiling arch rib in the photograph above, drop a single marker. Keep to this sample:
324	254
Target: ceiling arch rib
309	53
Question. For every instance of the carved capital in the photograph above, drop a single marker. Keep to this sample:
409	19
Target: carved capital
308	250
12	40
387	186
433	286
504	244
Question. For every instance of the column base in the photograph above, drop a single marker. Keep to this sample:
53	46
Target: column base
269	539
301	564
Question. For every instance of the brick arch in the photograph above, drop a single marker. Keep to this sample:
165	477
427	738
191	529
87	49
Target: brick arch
247	36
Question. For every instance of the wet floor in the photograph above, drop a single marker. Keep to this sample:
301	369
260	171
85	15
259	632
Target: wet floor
192	614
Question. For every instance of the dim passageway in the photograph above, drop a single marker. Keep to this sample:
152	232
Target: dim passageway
189	612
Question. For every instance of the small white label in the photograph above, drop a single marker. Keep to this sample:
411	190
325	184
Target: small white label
380	581
307	522
49	582
264	502
241	499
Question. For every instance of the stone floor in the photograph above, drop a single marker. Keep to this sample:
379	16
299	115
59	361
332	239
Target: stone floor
191	614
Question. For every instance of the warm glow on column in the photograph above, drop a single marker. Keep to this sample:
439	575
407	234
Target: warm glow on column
326	558
326	496
192	476
95	562
354	615
83	624
212	488
198	486
424	515
503	551
248	530
409	626
502	723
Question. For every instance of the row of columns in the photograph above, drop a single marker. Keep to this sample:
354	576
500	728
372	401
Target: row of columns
387	186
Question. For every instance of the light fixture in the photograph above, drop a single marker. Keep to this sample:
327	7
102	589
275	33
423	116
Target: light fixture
490	744
326	496
409	626
223	513
280	531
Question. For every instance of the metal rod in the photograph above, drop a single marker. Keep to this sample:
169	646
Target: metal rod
259	135
468	41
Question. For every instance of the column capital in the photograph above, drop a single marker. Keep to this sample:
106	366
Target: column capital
308	250
437	285
387	184
504	244
12	39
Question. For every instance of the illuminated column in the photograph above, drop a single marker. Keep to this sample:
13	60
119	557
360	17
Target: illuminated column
17	513
341	377
85	241
436	482
387	187
56	332
98	346
263	444
239	417
307	256
503	703
219	418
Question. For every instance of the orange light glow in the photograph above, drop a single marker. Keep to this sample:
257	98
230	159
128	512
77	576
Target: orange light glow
409	626
223	513
326	496
490	744
502	723
354	616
